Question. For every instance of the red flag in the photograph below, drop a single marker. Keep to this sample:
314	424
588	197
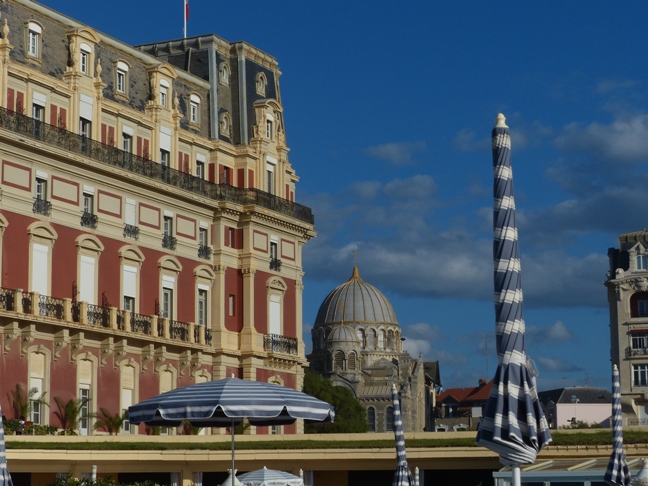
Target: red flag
186	9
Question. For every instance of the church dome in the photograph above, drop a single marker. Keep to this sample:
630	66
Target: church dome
342	334
356	302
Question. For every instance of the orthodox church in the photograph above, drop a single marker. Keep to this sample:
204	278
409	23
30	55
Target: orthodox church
357	344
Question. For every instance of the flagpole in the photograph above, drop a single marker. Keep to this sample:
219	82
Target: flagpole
184	16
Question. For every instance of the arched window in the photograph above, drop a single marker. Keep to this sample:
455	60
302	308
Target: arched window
381	340
351	361
642	262
371	339
361	337
390	339
389	419
338	363
371	419
224	73
261	82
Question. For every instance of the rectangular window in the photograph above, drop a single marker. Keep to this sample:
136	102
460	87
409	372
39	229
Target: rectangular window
167	303
203	237
163	96
35	404
642	308
640	340
274	326
126	401
40	269
269	129
232	305
193	112
34	41
87	280
270	179
88	203
202	307
274	251
200	170
165	158
642	262
38	112
168	226
41	189
84	62
129	303
84	412
130	212
127	143
121	81
85	127
640	373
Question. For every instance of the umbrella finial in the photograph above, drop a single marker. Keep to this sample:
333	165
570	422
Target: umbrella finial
500	121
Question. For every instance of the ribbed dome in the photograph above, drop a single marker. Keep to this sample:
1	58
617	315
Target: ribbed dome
342	334
356	302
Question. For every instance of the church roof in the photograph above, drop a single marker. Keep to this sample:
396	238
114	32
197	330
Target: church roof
356	302
342	334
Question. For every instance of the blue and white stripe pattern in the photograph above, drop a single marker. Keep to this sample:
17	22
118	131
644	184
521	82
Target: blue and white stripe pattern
403	476
269	477
5	477
513	425
617	472
218	403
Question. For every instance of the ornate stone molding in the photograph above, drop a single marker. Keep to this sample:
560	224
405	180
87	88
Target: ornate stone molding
107	348
26	337
61	339
120	349
76	346
159	358
11	333
148	352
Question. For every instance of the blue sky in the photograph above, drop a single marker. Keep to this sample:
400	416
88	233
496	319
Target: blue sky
388	112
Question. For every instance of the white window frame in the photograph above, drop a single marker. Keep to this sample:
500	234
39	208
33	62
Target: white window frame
202	308
642	262
640	375
34	36
84	58
194	109
121	78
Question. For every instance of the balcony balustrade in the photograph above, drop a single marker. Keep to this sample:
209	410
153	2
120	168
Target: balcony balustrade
131	231
41	206
89	220
61	138
275	264
50	307
630	352
275	343
204	252
169	242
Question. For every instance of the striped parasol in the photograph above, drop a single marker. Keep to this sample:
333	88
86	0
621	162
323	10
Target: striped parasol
403	476
270	477
225	403
513	425
5	477
617	473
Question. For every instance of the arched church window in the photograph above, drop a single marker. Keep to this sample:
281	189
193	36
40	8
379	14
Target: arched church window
390	340
389	419
327	331
361	337
351	361
371	419
381	340
339	361
320	338
371	339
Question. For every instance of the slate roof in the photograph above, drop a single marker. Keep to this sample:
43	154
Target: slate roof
584	394
432	371
467	396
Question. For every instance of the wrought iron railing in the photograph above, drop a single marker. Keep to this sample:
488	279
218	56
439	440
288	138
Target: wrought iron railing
121	321
636	352
276	343
178	330
131	231
41	206
275	264
27	304
50	307
141	324
76	311
89	220
59	137
208	336
169	242
98	315
6	299
204	252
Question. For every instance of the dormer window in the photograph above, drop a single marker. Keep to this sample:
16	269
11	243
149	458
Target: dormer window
642	262
164	92
269	129
34	33
84	58
194	109
121	78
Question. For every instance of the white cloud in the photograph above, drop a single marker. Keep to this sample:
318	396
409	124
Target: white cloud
397	153
557	332
556	364
607	85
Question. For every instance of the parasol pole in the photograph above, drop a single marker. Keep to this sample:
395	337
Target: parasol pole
516	475
232	433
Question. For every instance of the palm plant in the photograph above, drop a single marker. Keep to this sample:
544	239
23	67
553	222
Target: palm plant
21	401
110	422
69	413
